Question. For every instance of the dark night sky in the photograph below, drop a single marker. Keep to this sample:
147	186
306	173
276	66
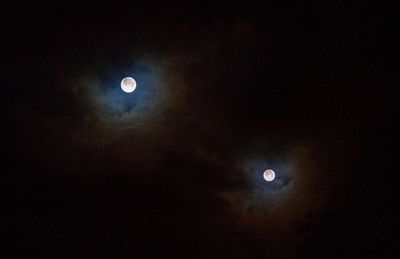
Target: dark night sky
224	91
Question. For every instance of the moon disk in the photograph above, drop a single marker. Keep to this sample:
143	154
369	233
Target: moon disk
269	175
128	84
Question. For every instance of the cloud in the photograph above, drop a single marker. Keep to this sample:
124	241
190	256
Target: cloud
117	109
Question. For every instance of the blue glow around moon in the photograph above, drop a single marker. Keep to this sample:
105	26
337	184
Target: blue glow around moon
116	107
283	175
261	195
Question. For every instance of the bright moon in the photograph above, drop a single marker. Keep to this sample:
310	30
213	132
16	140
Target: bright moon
128	84
269	175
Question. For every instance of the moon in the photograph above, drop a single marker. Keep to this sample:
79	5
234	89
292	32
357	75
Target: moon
128	84
269	175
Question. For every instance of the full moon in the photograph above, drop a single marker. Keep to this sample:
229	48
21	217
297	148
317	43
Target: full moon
128	84
269	175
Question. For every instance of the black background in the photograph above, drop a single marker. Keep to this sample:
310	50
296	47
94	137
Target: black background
321	74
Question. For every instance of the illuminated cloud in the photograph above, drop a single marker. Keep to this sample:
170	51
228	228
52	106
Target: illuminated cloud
118	109
260	194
